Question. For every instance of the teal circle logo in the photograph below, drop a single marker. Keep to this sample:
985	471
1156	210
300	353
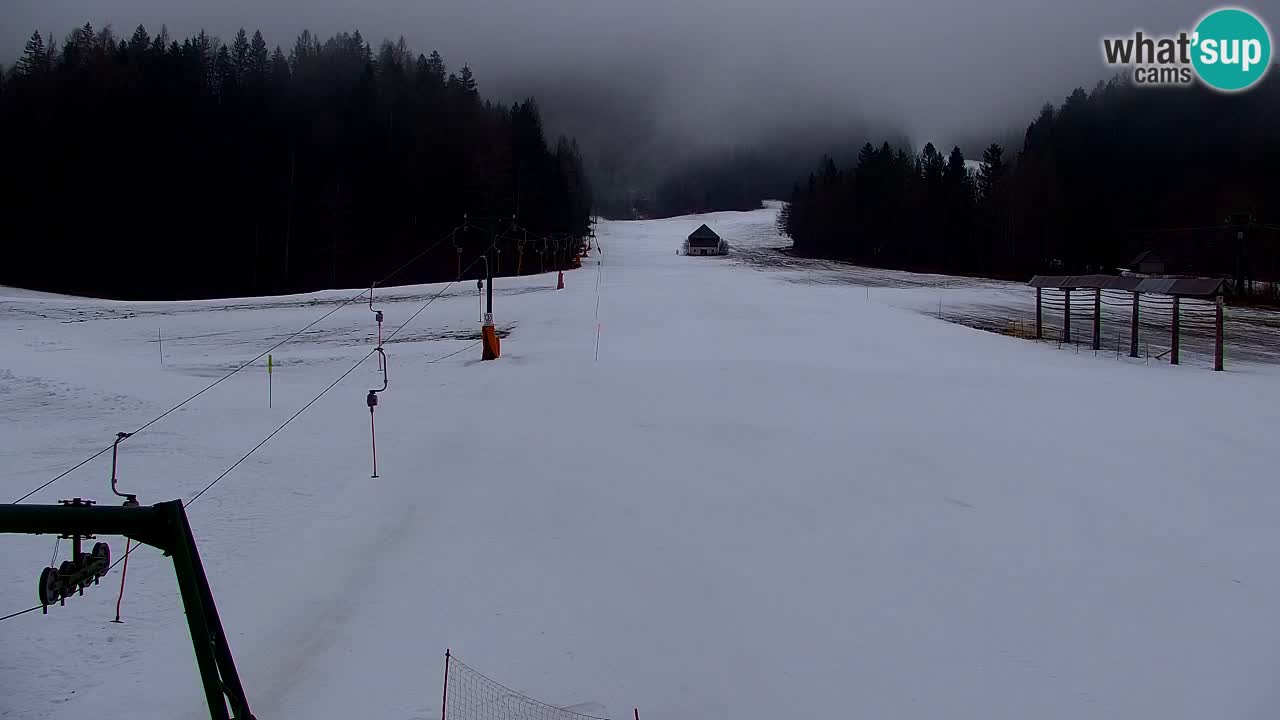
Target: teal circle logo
1232	49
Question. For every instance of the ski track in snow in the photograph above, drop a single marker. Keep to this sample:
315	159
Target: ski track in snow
783	489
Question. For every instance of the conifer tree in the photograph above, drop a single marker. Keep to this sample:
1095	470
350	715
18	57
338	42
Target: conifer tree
259	60
35	58
240	57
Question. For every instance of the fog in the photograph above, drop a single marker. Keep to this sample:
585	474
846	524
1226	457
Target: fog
706	72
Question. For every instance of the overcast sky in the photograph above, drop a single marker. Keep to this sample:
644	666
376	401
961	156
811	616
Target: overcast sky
945	70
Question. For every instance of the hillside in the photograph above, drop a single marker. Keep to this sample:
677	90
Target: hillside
756	497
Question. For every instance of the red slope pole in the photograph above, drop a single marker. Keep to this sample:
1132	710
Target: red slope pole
123	572
374	435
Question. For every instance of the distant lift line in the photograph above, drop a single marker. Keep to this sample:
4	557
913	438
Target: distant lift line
447	236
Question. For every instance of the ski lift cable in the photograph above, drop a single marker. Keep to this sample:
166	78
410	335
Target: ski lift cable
455	352
291	418
20	612
435	297
255	449
282	426
192	397
110	567
331	385
264	353
447	236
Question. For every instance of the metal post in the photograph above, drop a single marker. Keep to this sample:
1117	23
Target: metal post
1239	279
1066	317
444	704
1097	318
197	620
1039	315
226	666
1133	331
488	333
75	553
1173	350
1217	337
488	271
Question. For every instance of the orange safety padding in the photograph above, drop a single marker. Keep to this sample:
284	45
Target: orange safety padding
489	338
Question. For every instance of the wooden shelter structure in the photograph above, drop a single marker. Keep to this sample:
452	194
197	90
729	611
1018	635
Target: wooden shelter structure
1177	288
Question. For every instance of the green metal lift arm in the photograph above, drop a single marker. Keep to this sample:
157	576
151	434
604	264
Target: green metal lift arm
147	525
164	526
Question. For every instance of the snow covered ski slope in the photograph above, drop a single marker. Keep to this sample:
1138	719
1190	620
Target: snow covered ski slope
756	498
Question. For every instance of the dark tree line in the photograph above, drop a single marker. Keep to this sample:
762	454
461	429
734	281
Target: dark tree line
148	167
1099	179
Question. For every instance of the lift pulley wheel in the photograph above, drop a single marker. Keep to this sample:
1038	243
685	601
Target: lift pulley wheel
50	585
101	556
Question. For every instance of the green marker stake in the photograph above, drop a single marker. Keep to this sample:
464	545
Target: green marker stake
268	381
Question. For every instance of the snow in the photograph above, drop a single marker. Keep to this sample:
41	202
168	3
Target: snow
766	498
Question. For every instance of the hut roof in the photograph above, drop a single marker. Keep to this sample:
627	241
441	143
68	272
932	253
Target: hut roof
704	233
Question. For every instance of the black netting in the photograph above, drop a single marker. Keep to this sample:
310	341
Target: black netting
468	695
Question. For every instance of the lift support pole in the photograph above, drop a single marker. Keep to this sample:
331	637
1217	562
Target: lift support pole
163	526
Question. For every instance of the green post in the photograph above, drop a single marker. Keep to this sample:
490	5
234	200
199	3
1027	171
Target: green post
197	622
224	669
